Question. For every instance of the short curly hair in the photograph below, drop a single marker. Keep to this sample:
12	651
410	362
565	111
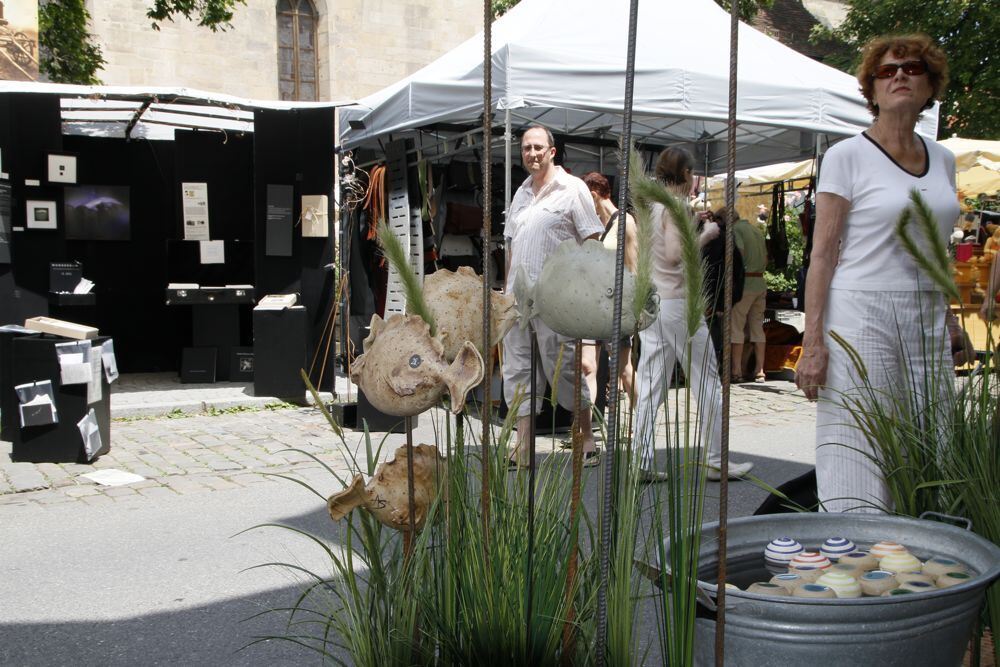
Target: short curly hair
597	183
917	45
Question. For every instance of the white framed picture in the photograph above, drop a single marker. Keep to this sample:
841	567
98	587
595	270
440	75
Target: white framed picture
62	168
40	214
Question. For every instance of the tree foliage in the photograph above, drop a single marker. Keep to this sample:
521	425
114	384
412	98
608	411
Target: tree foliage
967	31
67	54
212	14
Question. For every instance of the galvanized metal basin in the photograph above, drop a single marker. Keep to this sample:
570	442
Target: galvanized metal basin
931	628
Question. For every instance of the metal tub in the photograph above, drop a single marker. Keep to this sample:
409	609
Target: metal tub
931	628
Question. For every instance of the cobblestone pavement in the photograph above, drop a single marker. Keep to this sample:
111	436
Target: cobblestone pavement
152	394
213	453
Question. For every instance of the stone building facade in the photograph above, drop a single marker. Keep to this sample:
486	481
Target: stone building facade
348	48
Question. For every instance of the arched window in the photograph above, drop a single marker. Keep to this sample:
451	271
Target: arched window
297	63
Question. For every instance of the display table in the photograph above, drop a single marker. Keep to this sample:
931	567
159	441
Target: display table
31	357
279	351
215	319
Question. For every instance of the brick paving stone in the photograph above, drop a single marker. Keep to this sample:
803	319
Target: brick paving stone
158	492
116	491
25	478
80	491
56	499
218	483
246	478
97	500
185	485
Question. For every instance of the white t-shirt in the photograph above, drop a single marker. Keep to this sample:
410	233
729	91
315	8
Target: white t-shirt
871	256
539	222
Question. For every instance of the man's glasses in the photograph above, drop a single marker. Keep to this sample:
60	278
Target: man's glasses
911	67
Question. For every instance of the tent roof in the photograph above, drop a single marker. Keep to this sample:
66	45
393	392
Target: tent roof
107	111
972	152
562	63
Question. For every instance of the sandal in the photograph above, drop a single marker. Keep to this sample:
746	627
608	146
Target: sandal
592	459
515	463
760	378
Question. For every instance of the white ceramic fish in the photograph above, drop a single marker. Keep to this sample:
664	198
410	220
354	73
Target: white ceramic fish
386	495
575	295
404	372
455	299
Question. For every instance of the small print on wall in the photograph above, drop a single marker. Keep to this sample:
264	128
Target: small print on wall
97	213
62	168
40	214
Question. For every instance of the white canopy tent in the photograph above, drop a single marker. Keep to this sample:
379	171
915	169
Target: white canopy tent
562	63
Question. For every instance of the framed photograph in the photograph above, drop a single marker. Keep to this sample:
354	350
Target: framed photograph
40	214
62	168
97	213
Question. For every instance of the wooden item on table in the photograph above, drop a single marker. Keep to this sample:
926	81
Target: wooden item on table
63	328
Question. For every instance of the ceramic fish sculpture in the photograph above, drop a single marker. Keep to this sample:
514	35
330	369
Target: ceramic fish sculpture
455	299
386	494
575	293
404	372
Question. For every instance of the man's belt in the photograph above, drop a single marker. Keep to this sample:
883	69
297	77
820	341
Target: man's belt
754	274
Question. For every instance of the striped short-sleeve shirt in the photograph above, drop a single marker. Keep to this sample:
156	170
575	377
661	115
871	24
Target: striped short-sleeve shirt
538	222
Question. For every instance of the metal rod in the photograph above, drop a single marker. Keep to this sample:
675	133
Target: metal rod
532	393
411	507
487	166
569	636
607	507
727	348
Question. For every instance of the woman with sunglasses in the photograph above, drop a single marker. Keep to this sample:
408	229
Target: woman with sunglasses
862	284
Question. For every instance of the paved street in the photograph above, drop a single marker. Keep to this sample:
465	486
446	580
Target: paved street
153	572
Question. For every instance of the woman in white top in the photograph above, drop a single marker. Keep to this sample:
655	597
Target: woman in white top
861	283
665	341
600	191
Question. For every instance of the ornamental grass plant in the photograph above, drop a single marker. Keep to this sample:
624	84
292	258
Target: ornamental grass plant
679	504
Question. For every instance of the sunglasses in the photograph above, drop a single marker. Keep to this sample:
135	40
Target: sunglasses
911	67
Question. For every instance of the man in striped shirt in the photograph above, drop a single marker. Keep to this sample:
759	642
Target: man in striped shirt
549	207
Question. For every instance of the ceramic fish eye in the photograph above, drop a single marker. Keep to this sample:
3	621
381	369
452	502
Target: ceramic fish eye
415	361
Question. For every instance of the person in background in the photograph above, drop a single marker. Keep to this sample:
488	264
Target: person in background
749	311
666	340
714	255
600	191
861	283
550	207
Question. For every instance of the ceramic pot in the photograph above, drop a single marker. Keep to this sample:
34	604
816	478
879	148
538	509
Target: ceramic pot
574	295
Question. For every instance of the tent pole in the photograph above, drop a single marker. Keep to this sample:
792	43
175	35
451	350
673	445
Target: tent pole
727	348
506	162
